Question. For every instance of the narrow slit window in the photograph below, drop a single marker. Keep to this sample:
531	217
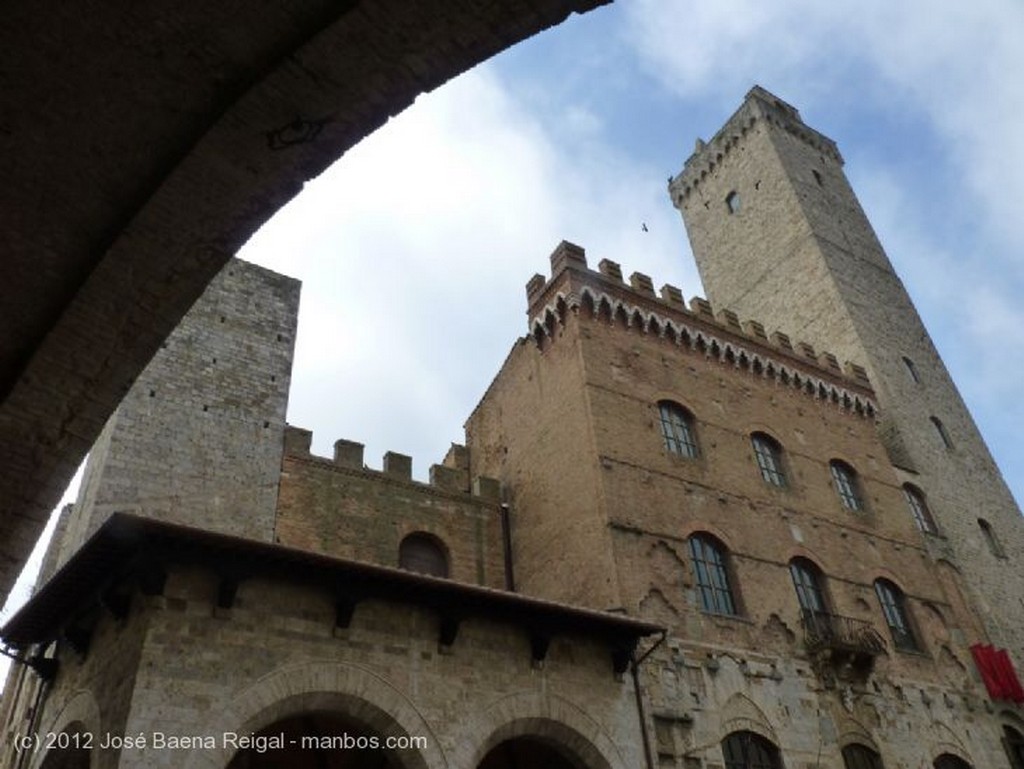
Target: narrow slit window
943	433
732	202
911	369
991	540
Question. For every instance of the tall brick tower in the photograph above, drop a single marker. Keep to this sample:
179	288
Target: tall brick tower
778	235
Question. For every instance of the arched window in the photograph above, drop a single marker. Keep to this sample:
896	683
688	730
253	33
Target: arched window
949	761
711	575
896	617
918	508
732	202
857	756
1013	742
847	486
943	433
747	750
769	459
809	584
423	553
677	429
990	539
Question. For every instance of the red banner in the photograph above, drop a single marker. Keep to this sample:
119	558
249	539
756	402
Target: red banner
998	673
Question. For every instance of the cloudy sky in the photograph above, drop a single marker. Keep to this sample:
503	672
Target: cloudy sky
416	246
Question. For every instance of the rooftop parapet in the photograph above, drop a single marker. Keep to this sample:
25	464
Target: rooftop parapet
759	105
574	287
451	477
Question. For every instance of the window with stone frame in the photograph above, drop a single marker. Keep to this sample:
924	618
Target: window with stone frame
768	453
894	609
749	750
712	583
809	583
847	485
857	756
677	429
423	553
919	509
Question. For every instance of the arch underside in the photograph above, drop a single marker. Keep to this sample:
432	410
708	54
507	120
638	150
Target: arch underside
168	135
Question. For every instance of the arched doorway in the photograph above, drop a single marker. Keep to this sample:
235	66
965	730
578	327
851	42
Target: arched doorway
529	753
323	740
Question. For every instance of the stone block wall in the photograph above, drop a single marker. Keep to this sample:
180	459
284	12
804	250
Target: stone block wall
800	254
198	438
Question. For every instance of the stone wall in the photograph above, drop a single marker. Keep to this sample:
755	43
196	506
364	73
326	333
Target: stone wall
198	438
800	254
183	667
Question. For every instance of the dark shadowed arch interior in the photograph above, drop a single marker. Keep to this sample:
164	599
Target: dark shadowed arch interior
532	752
71	749
949	761
321	740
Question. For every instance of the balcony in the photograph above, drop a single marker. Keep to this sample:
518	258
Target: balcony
839	646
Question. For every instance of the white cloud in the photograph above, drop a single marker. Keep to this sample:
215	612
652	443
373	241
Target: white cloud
950	221
415	249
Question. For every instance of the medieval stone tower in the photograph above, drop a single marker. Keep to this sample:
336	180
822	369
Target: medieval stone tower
674	537
778	235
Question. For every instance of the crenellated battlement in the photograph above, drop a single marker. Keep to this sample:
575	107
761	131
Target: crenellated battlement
759	105
604	294
451	476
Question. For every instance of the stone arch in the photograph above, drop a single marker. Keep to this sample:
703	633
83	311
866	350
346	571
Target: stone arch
946	741
853	731
740	713
317	685
80	714
549	717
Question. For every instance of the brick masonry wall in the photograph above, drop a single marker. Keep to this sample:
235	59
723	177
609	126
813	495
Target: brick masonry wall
198	438
802	256
362	514
532	431
718	674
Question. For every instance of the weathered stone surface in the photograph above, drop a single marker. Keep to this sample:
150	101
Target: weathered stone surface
801	256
